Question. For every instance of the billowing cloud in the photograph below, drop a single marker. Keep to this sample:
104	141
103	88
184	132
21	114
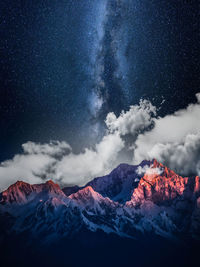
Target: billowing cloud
23	167
183	157
174	140
92	162
137	119
53	148
35	164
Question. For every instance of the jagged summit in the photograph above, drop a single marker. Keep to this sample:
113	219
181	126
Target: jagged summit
52	187
17	193
19	183
160	184
85	195
22	192
50	182
88	190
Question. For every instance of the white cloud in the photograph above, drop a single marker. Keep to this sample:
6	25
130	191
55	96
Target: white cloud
138	118
173	140
183	157
92	162
23	167
149	170
40	161
53	148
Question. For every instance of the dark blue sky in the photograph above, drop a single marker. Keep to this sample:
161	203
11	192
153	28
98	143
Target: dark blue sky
66	64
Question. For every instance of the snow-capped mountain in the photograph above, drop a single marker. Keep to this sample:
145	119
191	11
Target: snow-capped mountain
132	201
21	192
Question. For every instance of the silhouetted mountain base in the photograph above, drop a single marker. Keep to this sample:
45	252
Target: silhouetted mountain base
99	249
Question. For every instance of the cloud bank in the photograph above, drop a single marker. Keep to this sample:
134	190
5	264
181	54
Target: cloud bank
56	161
183	157
173	140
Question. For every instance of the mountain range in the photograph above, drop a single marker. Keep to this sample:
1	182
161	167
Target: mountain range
143	202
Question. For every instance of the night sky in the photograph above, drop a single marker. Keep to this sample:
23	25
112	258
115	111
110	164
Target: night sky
66	64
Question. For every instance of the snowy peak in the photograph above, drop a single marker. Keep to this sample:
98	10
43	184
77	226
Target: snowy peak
17	193
92	201
86	195
21	192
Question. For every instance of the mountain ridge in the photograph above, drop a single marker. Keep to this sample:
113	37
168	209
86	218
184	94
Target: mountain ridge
131	201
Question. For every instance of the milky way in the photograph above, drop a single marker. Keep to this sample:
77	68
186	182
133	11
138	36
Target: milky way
66	64
109	65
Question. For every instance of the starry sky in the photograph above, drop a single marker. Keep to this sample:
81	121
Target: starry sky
66	64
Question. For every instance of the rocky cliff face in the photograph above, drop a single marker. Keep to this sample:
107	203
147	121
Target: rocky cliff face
160	185
132	201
